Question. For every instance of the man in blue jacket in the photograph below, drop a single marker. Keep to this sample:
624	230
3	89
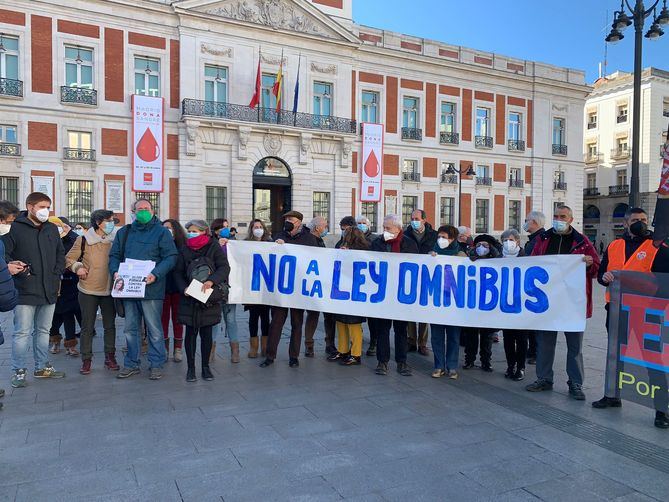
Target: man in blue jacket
144	239
9	297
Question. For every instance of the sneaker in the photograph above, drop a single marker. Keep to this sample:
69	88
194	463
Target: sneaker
350	361
438	373
371	351
190	375
19	379
155	374
576	392
404	369
330	349
509	372
207	374
293	362
539	386
336	356
266	363
486	367
48	372
178	355
381	369
85	367
607	402
661	420
468	366
452	374
127	372
518	375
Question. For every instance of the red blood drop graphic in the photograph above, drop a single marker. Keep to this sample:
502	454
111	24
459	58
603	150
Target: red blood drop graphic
147	148
372	167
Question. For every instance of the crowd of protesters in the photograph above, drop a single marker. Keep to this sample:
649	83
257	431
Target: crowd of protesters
54	275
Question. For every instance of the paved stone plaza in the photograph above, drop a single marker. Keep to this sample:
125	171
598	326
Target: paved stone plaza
324	432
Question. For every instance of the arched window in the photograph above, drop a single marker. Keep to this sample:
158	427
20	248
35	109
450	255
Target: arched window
591	213
620	210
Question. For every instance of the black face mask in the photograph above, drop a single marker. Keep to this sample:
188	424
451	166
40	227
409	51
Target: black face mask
639	229
288	226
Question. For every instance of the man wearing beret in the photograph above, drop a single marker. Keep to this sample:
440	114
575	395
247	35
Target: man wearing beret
293	233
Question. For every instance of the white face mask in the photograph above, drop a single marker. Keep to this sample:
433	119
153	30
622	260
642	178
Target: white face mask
258	233
42	215
443	242
511	247
388	236
4	228
482	251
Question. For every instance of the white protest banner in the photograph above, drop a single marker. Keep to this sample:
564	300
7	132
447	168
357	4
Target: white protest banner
539	293
148	153
131	280
372	162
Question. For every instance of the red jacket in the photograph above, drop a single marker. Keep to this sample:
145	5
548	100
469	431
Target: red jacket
581	245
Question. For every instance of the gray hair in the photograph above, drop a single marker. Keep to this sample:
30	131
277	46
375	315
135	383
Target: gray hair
317	221
538	217
362	219
134	204
562	206
464	230
199	224
394	220
511	232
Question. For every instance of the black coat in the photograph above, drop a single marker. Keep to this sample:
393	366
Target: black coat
193	312
68	298
41	248
426	245
9	297
406	246
529	245
303	238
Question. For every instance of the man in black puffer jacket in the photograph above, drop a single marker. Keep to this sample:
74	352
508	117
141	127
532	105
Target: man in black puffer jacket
293	233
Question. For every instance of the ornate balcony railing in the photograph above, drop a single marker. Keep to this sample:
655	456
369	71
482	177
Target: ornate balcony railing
78	95
483	141
449	179
449	138
11	87
619	189
410	176
10	149
592	158
591	192
515	183
560	185
483	180
592	125
516	145
621	118
243	113
78	154
412	133
620	153
559	149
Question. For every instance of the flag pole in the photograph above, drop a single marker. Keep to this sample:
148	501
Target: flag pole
259	97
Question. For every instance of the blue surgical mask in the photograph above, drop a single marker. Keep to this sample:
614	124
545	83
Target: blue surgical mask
363	228
108	227
79	232
192	235
224	233
415	224
325	232
560	226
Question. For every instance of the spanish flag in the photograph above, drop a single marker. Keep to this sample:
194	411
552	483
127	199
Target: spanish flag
276	90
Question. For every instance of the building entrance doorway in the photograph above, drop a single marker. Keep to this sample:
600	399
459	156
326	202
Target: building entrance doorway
272	183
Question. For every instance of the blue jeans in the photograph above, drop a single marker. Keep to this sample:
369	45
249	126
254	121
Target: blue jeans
230	320
31	321
151	311
546	341
445	357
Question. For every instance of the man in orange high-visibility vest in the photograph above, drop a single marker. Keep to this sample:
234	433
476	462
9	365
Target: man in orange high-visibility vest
634	251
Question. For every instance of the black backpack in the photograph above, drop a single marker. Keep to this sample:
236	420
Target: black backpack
200	268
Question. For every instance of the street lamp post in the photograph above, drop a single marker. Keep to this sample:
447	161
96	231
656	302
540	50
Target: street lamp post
470	172
621	21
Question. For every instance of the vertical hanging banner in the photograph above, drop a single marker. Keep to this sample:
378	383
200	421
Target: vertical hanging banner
372	162
148	152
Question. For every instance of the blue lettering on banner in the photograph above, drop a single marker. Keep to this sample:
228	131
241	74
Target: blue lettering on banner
471	287
451	286
335	292
380	278
287	266
404	296
515	306
260	269
358	281
487	285
313	267
532	275
430	286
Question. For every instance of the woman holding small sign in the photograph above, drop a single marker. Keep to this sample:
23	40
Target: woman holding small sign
202	274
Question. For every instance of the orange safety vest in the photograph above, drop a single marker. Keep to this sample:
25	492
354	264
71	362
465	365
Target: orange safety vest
640	261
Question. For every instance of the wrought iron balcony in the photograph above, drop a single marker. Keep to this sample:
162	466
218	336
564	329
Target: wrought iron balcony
79	154
592	125
243	113
483	141
449	138
449	179
621	119
619	189
412	133
10	149
483	180
591	192
560	185
559	149
620	153
516	183
665	113
516	145
411	176
78	95
592	158
11	87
